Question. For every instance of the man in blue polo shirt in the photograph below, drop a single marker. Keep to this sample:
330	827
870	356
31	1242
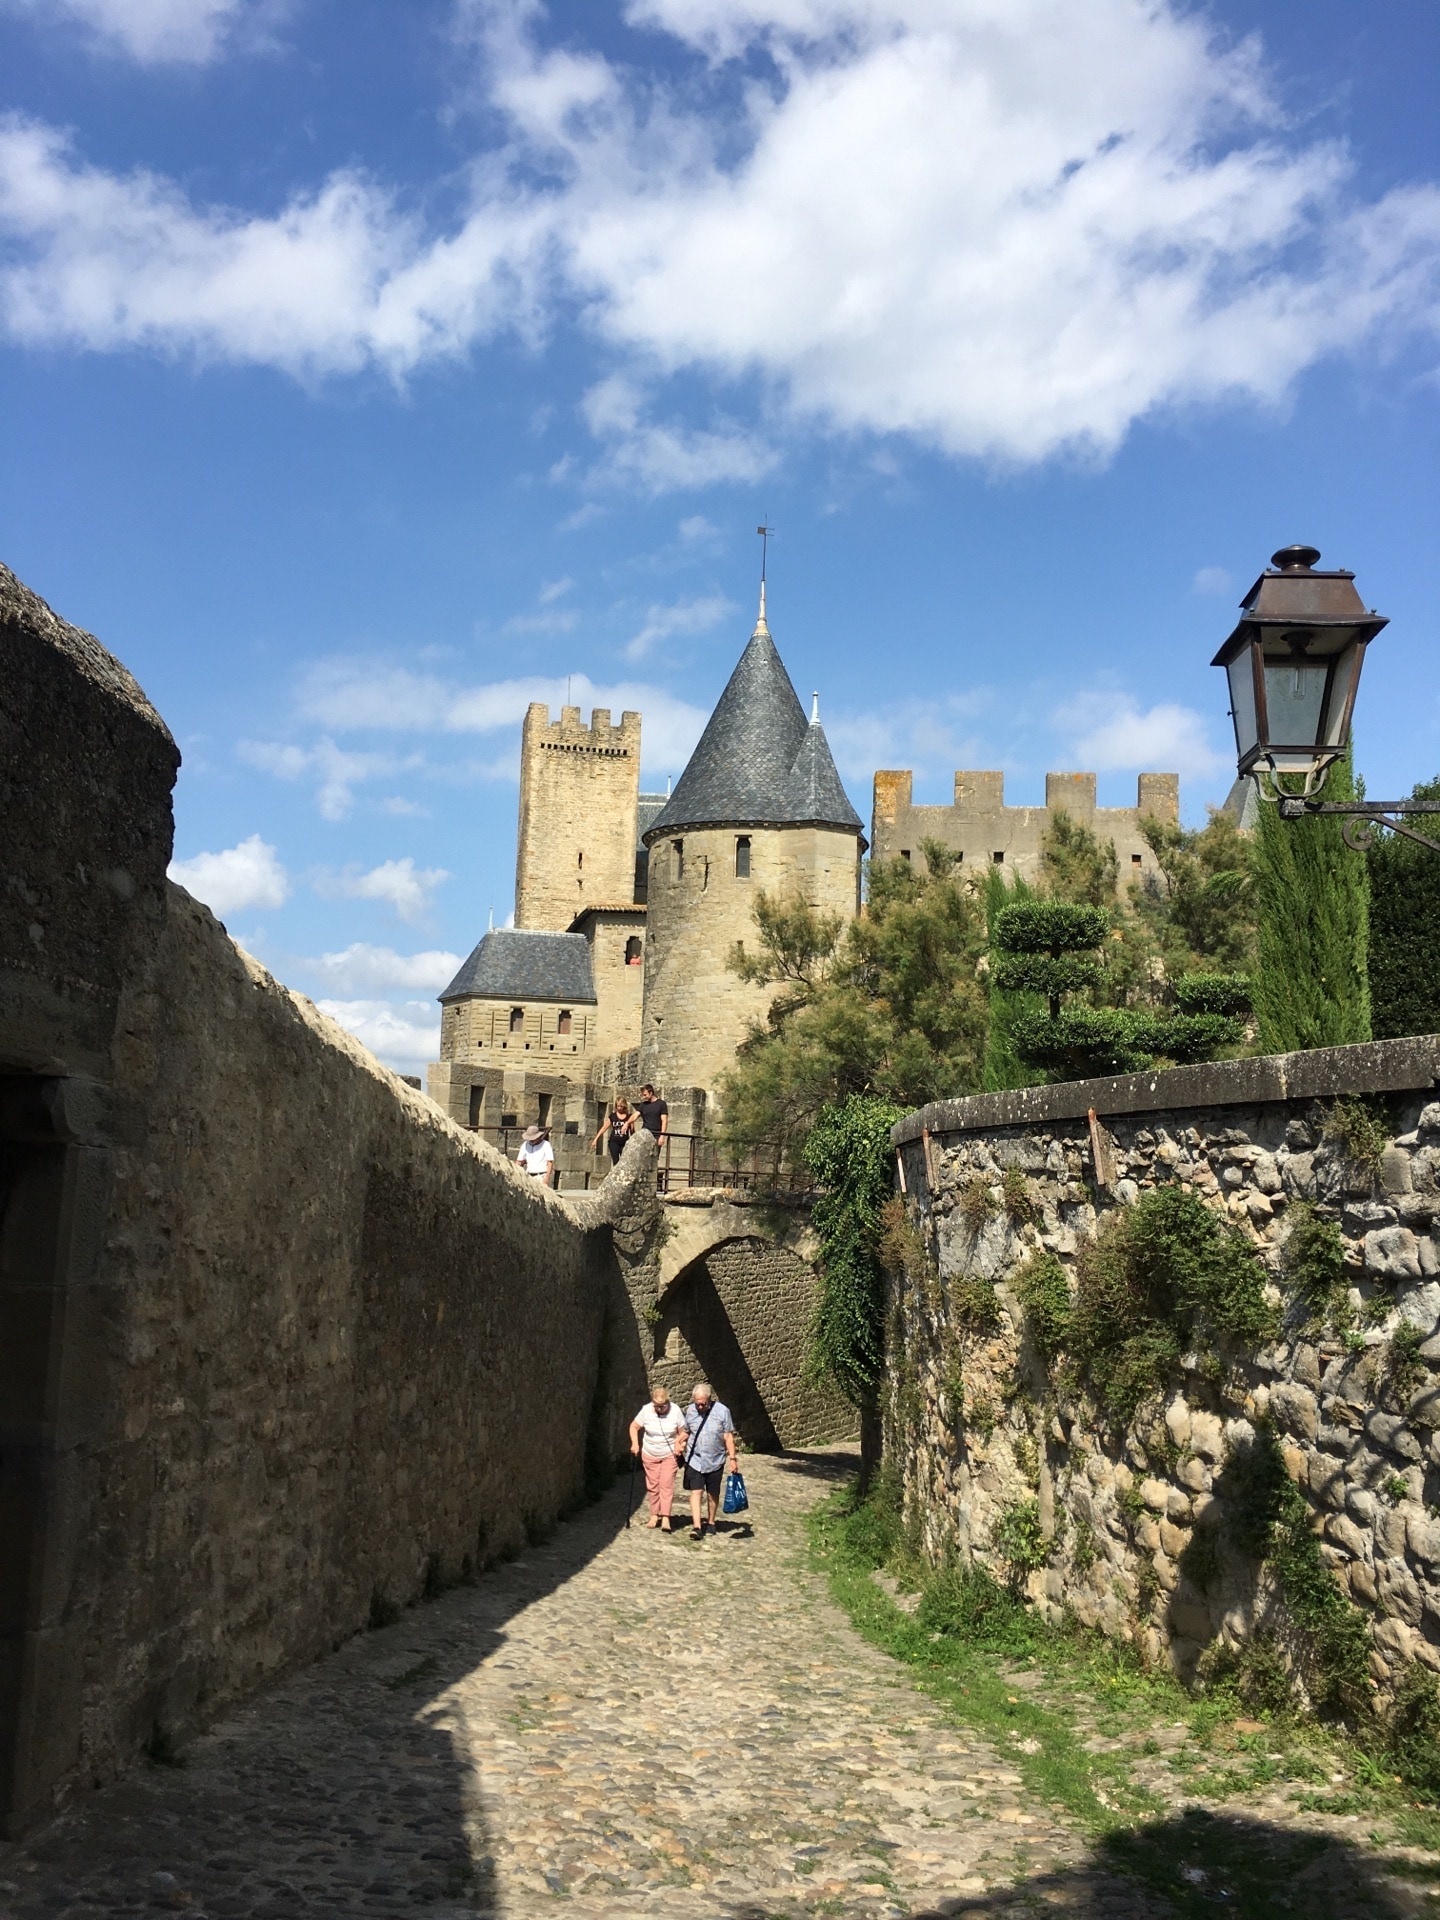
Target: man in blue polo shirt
708	1454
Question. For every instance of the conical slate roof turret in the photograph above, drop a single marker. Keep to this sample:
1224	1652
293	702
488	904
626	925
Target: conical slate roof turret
760	762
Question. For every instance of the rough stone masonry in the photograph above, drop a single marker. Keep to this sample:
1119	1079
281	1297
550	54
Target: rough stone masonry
981	1426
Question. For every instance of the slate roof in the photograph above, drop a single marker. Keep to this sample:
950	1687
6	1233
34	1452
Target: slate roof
651	806
512	963
760	762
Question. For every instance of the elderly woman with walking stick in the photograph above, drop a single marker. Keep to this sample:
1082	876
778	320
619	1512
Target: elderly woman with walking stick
656	1434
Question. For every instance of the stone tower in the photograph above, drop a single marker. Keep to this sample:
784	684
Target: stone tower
579	795
759	805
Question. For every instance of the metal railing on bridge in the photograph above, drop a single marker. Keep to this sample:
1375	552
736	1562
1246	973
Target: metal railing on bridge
686	1160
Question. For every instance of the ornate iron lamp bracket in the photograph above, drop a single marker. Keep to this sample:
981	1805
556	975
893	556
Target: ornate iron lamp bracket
1363	819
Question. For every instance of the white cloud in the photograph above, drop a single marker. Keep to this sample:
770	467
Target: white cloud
929	736
403	1036
695	528
1007	231
247	875
361	968
552	620
1212	580
1109	733
554	590
157	31
347	695
405	888
337	772
697	614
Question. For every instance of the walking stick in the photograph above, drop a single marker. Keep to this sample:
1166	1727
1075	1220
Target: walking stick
630	1491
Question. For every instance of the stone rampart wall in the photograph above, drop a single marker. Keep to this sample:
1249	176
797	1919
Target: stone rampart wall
1139	1518
281	1347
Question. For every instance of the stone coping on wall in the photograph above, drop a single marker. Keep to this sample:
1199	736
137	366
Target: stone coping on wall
1374	1066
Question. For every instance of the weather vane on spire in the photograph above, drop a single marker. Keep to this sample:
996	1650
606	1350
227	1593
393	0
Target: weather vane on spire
764	532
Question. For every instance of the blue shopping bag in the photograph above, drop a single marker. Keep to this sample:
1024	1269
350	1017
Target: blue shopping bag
736	1498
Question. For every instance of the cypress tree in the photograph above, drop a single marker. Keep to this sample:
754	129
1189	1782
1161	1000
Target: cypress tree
1312	897
1405	930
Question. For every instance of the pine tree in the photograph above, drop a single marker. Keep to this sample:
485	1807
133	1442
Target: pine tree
1312	898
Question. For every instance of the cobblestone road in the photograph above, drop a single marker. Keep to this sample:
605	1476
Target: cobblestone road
616	1723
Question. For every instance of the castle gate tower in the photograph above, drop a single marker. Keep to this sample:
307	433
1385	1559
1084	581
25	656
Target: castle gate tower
760	804
579	794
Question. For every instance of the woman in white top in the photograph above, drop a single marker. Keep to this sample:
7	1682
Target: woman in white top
653	1435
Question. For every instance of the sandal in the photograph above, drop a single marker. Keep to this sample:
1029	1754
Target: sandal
696	1534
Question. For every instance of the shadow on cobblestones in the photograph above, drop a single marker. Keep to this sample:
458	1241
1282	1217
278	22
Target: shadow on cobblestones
341	1792
1203	1864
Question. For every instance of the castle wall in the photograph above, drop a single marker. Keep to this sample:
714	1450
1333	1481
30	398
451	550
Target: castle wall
985	832
1148	1525
696	1010
619	987
273	1331
479	1031
579	796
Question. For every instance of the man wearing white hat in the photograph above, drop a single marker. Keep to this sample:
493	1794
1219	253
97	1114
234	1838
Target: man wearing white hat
537	1157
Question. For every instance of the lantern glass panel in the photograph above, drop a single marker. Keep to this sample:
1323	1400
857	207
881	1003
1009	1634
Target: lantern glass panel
1295	700
1347	671
1242	702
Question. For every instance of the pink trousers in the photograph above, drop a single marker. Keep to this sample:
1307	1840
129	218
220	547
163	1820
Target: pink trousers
659	1481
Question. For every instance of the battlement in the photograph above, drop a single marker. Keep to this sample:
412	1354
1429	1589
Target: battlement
983	831
570	735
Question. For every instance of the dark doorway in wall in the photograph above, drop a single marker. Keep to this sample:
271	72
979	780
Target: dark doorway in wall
477	1105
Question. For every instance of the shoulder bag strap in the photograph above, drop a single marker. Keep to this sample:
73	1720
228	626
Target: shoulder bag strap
689	1451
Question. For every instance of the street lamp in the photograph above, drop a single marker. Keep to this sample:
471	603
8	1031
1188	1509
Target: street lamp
1293	664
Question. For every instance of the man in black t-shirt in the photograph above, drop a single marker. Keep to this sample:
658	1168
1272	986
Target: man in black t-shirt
653	1112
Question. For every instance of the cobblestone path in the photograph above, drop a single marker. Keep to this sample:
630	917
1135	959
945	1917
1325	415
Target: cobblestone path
614	1724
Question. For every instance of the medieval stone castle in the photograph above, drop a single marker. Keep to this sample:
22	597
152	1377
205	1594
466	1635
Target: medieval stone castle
627	904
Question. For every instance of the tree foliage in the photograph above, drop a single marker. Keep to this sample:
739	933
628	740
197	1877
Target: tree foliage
848	1150
1405	931
1313	897
889	1005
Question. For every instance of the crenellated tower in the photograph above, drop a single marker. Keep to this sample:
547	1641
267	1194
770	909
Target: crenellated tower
579	803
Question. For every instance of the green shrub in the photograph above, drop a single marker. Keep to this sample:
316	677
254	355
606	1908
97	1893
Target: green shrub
1404	1369
1046	973
1412	1731
1404	932
1042	1288
969	1604
1314	1264
849	1152
1359	1131
1268	1518
1049	926
1018	1540
975	1205
1159	1278
1016	1198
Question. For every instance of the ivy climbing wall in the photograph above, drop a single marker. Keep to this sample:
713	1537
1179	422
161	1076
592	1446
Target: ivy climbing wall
1164	1352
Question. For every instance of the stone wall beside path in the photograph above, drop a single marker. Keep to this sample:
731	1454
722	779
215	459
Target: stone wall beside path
282	1349
1138	1519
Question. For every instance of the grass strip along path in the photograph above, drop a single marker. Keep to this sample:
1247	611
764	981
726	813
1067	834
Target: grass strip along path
1211	1805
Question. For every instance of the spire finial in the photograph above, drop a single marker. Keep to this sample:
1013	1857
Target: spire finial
491	927
764	532
814	709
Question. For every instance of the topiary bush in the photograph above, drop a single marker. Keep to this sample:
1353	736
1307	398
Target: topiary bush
1228	994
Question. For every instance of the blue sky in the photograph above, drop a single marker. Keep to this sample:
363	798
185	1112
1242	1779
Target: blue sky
369	369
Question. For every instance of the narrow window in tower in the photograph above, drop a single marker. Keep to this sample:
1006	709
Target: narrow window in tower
543	1117
677	850
742	857
1136	859
632	951
999	859
517	1019
563	1023
477	1105
904	853
579	859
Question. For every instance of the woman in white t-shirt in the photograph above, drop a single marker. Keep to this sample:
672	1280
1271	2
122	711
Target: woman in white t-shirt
536	1156
653	1434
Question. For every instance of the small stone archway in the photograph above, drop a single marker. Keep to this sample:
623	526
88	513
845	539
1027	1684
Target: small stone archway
734	1305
